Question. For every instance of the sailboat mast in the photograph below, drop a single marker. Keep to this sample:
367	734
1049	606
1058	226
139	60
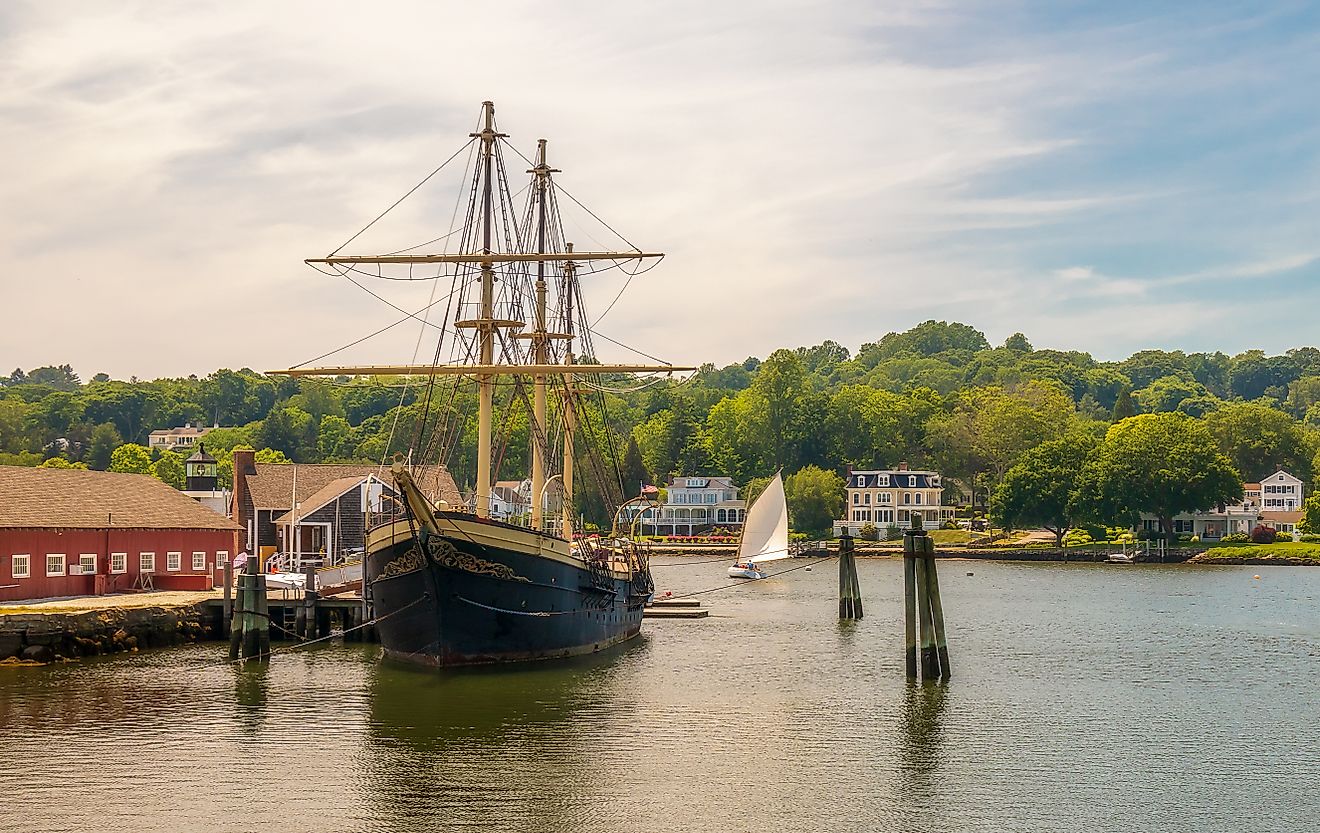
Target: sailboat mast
485	381
542	172
570	418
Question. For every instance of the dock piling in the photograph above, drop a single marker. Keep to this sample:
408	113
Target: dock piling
850	590
923	610
249	636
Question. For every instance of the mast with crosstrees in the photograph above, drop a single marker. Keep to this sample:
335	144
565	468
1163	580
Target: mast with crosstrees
491	323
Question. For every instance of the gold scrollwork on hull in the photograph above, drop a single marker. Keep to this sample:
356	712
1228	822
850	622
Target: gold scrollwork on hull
446	554
410	562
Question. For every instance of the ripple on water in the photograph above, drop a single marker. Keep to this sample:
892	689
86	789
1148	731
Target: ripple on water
1085	697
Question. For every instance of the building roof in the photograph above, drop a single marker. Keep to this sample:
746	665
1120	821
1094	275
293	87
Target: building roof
200	455
34	498
1282	517
272	487
320	498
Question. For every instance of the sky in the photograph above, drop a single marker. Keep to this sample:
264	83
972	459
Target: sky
1105	177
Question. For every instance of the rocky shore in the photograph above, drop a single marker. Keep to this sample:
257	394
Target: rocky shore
50	635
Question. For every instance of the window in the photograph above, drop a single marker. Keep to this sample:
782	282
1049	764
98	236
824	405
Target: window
199	561
861	481
118	562
902	516
55	564
918	500
907	498
172	560
882	481
886	497
87	561
742	515
857	498
20	566
147	562
867	499
885	515
710	497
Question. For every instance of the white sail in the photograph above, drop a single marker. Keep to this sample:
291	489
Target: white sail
765	532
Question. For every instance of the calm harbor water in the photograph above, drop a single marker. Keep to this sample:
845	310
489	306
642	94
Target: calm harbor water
1085	697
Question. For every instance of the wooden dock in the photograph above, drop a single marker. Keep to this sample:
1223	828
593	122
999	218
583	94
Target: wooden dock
675	609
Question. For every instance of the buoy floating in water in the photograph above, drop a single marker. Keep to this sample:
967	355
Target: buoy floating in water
971	574
1255	577
808	569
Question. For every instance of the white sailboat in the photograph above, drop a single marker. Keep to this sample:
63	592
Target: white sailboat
765	532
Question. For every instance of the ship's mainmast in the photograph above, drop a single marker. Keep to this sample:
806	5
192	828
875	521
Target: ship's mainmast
486	324
540	343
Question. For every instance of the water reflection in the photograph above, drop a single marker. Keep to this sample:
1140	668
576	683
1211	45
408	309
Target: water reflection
922	753
251	693
440	739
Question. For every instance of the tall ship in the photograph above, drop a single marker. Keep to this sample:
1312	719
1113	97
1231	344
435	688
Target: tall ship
462	585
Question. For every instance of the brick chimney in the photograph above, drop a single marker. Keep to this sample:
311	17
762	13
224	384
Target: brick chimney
903	466
245	464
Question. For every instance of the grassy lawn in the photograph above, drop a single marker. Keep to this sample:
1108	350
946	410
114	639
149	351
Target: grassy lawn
1290	549
944	537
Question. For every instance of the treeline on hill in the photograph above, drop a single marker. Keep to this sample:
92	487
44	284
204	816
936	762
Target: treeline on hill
938	395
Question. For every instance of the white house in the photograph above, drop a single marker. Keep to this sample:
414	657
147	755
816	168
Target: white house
1276	501
695	506
892	497
177	439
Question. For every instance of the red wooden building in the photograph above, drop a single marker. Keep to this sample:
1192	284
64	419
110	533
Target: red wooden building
65	532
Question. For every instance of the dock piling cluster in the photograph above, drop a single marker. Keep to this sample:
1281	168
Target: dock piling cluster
249	629
850	590
923	611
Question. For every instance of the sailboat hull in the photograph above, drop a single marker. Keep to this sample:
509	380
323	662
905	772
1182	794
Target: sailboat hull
486	592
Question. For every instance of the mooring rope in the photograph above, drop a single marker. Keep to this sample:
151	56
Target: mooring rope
746	582
291	648
521	612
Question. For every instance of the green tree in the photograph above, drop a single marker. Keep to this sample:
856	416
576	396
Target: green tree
1038	491
332	439
928	338
1261	440
104	440
1168	392
1310	522
271	455
815	498
60	463
131	458
168	468
1164	464
1017	343
1123	406
1255	375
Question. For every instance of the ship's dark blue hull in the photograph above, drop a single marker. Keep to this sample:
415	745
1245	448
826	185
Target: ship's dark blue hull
488	593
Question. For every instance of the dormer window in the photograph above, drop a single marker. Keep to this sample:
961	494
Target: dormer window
861	481
882	481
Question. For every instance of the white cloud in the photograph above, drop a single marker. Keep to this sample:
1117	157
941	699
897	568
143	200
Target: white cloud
811	172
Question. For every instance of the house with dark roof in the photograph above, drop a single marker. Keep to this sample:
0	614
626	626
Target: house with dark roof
69	532
889	498
319	511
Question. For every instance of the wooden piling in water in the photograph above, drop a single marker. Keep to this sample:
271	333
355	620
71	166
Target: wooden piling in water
936	608
228	610
910	603
307	613
249	636
850	590
923	609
